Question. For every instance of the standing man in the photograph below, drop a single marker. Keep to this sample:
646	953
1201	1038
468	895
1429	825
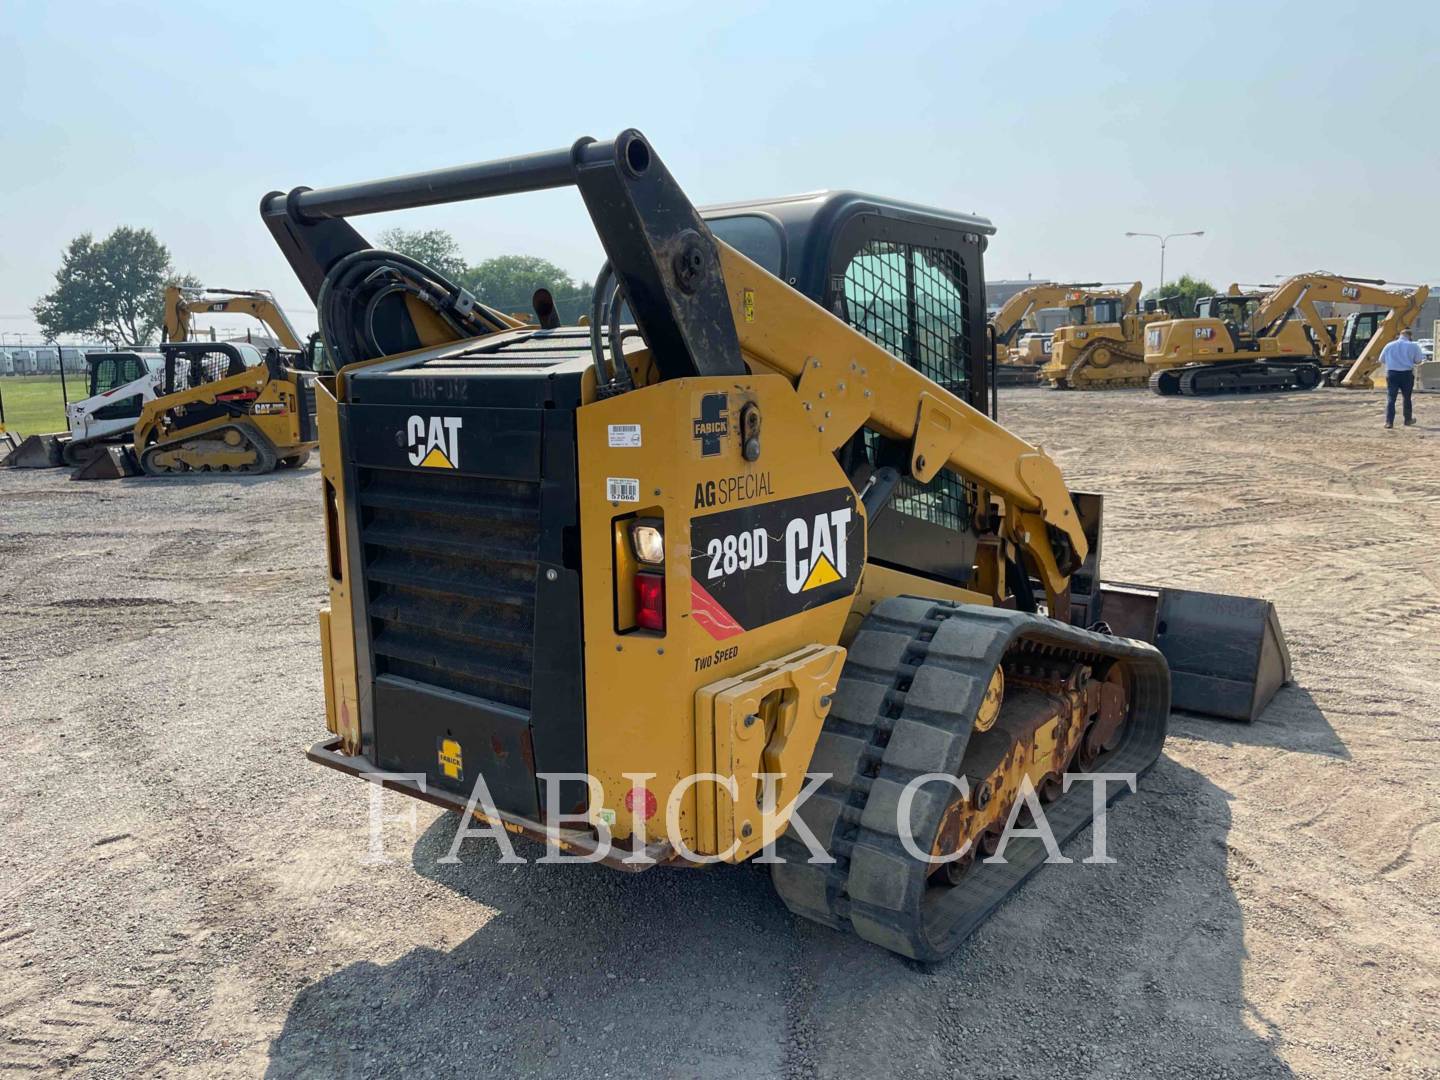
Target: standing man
1399	359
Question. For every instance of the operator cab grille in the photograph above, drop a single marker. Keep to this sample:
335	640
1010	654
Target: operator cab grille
450	565
914	302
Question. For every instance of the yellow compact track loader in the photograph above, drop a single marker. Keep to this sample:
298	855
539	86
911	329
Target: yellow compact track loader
625	586
1277	341
223	407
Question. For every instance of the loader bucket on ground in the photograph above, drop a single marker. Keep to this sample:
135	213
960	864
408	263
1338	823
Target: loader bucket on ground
37	452
112	463
1227	654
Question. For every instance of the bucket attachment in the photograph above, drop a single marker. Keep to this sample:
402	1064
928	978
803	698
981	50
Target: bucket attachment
112	463
37	452
1227	654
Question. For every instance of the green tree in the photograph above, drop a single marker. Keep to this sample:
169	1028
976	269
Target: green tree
435	248
507	282
112	289
1188	289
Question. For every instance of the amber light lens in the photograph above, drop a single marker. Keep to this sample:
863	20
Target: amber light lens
650	601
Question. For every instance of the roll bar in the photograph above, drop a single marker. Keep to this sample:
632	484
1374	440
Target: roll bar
659	248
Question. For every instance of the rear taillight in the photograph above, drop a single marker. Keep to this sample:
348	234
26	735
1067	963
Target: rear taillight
650	601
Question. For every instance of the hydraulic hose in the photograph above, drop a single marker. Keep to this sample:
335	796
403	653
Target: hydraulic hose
356	322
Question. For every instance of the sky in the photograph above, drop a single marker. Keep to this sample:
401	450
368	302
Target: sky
1297	135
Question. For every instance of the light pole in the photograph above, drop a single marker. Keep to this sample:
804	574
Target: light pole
1163	241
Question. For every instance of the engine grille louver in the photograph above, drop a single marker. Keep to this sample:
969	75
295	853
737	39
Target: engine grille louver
450	564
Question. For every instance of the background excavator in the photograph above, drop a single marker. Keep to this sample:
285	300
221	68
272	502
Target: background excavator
1277	341
1017	315
752	529
1102	348
184	303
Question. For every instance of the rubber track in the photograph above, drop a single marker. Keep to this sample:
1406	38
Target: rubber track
265	449
913	682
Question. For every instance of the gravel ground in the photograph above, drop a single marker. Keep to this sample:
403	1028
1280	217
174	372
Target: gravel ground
182	894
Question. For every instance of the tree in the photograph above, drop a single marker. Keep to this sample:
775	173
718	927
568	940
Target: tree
113	289
1188	289
507	282
434	247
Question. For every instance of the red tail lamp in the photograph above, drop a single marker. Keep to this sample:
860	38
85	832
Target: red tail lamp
650	601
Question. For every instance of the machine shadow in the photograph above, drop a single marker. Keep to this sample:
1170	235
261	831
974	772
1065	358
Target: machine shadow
1292	721
585	971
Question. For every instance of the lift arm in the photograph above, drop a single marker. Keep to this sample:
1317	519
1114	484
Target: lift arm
847	382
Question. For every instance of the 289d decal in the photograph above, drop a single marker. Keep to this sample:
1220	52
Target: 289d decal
757	565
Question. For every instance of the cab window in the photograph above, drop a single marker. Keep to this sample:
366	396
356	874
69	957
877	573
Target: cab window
110	372
757	238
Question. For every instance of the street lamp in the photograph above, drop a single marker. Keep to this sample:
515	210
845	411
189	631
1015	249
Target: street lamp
1163	241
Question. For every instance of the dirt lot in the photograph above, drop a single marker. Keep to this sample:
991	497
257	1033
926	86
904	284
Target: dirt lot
181	893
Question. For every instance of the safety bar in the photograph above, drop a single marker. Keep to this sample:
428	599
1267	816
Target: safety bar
661	251
481	180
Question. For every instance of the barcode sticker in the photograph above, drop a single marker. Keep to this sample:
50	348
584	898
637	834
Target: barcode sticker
624	434
622	489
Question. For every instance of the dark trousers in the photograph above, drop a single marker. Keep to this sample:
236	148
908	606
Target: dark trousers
1398	382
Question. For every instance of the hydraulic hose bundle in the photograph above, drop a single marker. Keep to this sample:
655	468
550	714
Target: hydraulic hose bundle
607	303
363	314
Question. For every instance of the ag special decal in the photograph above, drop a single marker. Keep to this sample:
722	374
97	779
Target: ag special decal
756	565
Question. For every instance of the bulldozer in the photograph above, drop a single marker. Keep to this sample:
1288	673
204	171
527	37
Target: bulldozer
1103	346
1251	342
743	568
1017	315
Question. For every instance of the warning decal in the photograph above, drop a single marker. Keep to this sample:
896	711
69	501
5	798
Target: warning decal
758	564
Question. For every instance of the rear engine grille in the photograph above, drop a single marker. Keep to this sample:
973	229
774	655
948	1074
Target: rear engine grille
450	565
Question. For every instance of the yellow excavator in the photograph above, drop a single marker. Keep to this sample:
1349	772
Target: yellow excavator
184	303
744	567
1017	315
1103	346
1277	341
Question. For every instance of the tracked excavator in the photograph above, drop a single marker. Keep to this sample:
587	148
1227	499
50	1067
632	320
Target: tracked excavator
1017	315
184	303
1277	341
622	587
1103	346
